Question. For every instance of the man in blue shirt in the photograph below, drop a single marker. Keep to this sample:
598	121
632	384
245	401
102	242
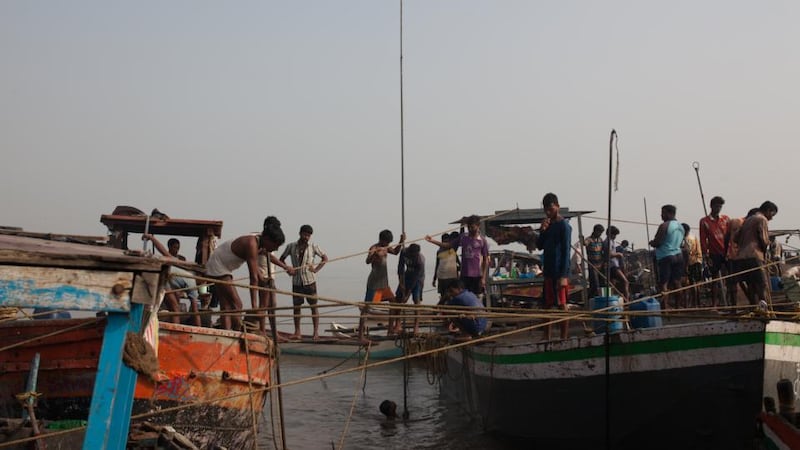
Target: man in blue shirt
667	243
555	235
468	322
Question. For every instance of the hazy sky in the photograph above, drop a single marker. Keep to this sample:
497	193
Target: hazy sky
238	110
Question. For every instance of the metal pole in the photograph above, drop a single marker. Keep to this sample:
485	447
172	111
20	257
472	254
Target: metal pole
406	366
608	293
696	166
146	231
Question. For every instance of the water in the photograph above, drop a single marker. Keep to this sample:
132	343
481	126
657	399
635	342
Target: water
316	412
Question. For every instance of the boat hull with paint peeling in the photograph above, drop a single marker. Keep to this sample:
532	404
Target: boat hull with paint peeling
222	373
693	385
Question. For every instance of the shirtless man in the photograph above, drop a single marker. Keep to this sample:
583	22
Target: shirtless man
229	256
378	281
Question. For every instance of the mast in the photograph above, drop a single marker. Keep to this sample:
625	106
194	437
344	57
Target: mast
402	133
406	364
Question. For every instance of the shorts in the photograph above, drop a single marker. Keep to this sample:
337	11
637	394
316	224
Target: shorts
753	274
304	291
551	287
715	264
733	272
616	273
695	272
670	269
414	290
379	295
472	284
444	284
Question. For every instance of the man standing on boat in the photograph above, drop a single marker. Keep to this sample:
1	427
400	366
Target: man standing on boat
713	228
411	273
378	281
447	267
753	240
594	256
667	243
304	280
735	281
474	254
555	239
614	260
229	256
694	265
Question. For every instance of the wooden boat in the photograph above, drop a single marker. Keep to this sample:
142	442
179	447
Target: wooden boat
212	369
778	427
382	348
694	385
209	383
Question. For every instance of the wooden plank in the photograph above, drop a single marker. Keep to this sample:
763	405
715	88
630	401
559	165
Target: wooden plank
112	399
19	250
83	290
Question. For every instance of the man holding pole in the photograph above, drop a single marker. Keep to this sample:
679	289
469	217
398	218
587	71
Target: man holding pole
712	242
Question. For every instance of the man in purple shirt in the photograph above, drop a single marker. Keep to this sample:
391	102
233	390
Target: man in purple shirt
474	254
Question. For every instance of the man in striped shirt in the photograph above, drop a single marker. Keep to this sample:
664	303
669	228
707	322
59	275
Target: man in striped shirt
304	280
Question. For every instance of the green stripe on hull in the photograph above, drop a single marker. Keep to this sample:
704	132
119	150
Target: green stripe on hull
792	340
625	349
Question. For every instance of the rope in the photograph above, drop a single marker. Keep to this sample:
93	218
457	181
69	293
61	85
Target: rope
139	355
353	403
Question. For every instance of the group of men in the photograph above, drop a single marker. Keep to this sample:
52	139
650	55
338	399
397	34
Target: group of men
731	249
460	281
734	250
255	250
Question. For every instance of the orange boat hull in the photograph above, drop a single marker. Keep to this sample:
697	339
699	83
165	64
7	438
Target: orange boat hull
210	385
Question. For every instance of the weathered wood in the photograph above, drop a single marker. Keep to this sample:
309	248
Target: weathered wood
146	288
82	290
21	250
112	398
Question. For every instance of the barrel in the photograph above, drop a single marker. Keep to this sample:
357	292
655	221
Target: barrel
613	305
652	308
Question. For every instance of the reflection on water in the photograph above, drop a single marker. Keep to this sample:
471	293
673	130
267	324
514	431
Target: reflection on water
316	412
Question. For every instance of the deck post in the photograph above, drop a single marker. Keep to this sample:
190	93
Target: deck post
112	399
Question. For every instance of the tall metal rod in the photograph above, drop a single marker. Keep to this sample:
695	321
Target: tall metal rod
608	291
646	222
402	133
696	166
406	364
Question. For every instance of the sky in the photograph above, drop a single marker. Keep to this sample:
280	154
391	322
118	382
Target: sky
234	111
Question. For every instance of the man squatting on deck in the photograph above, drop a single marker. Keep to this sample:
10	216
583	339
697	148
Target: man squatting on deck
469	322
555	236
230	255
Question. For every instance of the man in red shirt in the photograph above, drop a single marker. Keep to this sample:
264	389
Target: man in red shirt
712	242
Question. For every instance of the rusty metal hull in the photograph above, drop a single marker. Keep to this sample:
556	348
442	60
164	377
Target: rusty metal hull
210	387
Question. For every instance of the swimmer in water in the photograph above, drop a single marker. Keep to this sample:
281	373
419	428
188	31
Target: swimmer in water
389	409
